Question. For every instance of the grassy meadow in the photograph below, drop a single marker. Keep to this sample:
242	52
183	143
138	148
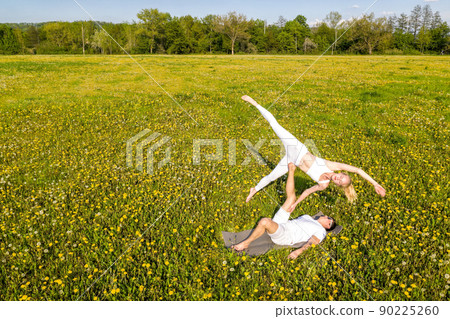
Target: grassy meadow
70	206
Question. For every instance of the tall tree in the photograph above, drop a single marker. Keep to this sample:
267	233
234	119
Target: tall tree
100	41
323	36
286	42
440	40
436	21
20	40
415	20
302	21
333	19
234	26
423	39
427	17
8	40
176	38
83	38
192	29
153	22
209	36
56	35
368	33
403	40
281	22
257	37
270	39
130	33
32	37
402	23
298	32
309	45
392	22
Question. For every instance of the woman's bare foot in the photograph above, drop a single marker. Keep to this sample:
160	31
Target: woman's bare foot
252	192
249	99
240	246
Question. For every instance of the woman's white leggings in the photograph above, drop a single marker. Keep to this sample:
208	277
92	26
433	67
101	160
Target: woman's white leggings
295	150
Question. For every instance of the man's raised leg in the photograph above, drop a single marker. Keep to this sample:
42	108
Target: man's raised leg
290	188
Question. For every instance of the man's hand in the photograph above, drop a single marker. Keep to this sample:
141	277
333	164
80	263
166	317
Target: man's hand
311	242
293	255
292	207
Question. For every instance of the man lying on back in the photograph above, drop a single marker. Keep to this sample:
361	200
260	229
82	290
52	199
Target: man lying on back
285	232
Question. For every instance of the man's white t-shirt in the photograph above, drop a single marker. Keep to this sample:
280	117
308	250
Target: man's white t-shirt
304	227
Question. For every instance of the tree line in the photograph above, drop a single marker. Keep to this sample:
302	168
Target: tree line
422	31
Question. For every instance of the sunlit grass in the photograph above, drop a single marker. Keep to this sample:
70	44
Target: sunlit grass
70	206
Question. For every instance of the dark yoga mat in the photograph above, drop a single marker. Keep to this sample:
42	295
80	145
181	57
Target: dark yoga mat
263	244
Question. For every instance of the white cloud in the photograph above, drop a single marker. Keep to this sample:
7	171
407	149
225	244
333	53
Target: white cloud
315	23
318	22
355	6
387	13
430	0
347	20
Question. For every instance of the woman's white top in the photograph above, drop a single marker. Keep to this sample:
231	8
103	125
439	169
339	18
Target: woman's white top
317	168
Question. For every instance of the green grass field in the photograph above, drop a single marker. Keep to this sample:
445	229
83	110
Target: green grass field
70	206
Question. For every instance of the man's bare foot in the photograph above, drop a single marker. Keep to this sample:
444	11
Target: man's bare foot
240	246
248	99
252	192
292	167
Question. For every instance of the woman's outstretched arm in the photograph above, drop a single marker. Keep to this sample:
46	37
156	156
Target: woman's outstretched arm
335	166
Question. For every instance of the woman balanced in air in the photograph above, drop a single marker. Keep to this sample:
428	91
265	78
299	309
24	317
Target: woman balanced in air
320	170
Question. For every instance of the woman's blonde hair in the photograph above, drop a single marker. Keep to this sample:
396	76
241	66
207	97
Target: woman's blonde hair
350	192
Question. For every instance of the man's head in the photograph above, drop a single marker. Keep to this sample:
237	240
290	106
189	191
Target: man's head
327	222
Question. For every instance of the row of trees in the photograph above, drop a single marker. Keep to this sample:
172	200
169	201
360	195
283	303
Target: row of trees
159	32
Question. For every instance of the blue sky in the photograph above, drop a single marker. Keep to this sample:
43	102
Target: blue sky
270	10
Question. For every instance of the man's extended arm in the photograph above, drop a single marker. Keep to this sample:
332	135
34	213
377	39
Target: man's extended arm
312	241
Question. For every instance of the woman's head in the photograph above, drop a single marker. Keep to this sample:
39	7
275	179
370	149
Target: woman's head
345	182
341	179
350	193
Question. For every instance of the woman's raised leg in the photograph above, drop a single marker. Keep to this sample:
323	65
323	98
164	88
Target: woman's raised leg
294	149
287	138
278	171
